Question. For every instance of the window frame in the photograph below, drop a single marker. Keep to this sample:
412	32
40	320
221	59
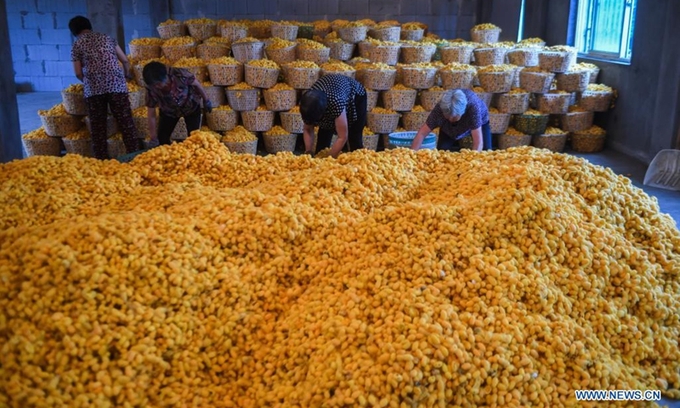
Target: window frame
586	18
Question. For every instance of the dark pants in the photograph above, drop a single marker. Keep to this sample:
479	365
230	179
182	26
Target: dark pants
166	125
355	131
448	143
98	109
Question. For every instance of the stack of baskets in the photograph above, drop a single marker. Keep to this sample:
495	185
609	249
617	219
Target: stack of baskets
258	120
176	48
73	99
414	52
457	52
553	139
281	97
399	98
531	122
413	31
145	48
549	86
240	140
309	50
301	74
247	49
523	56
590	140
210	49
278	139
285	31
513	138
385	52
57	122
243	97
292	120
431	97
340	50
378	77
543	78
456	76
371	99
414	119
382	120
485	33
353	33
115	146
233	31
79	142
498	121
201	28
222	118
39	143
418	76
171	28
225	71
280	51
489	55
339	68
261	73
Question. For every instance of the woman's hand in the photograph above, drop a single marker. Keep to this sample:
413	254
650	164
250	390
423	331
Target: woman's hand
420	136
477	141
207	105
308	137
341	129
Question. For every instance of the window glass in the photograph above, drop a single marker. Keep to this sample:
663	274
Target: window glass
604	28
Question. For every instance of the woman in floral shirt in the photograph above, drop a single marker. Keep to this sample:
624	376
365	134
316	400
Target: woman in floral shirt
459	113
177	94
96	59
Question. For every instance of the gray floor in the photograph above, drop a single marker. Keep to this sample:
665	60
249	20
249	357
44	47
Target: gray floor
669	201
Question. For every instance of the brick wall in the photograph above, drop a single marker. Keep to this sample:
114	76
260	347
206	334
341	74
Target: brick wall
440	15
41	42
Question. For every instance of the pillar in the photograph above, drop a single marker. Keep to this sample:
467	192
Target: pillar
10	131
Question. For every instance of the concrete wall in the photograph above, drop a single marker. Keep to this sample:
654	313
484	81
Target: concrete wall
41	42
10	141
646	118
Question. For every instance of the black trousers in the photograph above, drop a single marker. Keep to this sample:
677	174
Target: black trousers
355	131
97	108
166	125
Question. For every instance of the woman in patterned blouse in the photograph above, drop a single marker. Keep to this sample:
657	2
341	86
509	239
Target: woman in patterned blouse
335	103
177	94
459	113
96	59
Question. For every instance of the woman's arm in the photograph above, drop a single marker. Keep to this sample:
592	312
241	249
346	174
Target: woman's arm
308	136
78	70
477	141
341	129
206	102
123	60
420	136
151	120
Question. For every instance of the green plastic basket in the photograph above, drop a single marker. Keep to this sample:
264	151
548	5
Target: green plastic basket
306	31
127	158
531	124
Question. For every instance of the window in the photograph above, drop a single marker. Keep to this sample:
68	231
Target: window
604	29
